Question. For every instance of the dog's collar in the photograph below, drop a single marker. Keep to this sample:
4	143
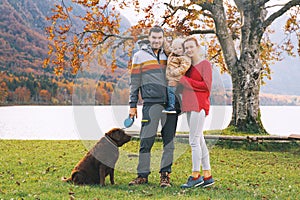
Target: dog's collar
111	141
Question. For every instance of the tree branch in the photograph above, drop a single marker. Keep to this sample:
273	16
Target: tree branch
276	5
224	37
217	54
207	14
66	8
169	7
203	4
108	35
262	3
204	7
176	8
280	12
203	32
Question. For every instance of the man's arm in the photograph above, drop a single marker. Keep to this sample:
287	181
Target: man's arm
135	83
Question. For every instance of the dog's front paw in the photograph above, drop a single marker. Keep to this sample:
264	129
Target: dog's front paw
64	179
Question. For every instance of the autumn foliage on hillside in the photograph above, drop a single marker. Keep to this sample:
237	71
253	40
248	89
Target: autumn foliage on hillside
20	45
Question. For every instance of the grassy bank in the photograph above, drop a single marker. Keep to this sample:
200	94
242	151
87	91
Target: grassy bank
33	170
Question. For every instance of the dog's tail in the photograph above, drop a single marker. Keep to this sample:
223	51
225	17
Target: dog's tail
67	180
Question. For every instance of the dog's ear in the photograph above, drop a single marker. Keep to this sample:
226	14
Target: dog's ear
118	136
114	134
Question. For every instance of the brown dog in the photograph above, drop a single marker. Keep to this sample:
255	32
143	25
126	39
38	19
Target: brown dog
100	160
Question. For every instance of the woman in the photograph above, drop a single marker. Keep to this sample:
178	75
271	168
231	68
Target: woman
195	102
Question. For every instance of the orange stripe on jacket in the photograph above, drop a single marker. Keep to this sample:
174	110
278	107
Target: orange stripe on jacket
152	67
135	71
148	65
150	62
147	68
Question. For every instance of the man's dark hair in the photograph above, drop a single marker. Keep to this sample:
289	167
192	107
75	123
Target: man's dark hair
156	29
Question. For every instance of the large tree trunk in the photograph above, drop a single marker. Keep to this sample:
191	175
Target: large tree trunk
244	64
245	91
246	72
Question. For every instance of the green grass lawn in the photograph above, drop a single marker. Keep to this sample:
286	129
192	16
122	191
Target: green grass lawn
33	170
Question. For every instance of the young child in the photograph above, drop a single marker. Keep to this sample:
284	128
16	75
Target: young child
177	65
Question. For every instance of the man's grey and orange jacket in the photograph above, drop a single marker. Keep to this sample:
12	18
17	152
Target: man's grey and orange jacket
148	75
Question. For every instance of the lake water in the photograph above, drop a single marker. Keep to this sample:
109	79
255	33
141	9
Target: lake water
91	122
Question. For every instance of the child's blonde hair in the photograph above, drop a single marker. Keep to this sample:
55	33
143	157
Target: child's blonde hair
178	41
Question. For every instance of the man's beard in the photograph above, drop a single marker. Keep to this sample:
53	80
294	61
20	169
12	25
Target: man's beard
154	48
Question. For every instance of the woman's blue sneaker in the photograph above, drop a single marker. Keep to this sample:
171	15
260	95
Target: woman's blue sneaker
193	182
208	182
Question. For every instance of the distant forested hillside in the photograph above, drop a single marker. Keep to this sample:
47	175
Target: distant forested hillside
23	47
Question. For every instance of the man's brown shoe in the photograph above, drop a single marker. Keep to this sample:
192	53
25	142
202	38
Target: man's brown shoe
165	179
138	181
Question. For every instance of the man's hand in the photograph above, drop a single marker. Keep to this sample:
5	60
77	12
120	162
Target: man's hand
133	112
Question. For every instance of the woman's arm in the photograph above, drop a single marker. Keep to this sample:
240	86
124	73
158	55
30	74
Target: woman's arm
201	86
192	84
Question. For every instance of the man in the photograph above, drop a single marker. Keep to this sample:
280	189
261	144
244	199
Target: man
148	78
